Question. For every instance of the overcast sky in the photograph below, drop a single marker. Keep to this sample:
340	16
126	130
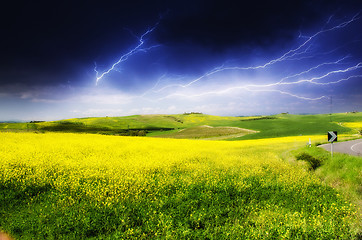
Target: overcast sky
69	59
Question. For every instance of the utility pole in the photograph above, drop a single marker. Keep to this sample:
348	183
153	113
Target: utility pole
330	108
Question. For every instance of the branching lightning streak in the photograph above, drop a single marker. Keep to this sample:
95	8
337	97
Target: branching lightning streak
248	88
125	56
359	65
314	68
294	54
311	81
244	88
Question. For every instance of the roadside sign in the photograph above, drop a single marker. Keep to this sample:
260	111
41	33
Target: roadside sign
332	136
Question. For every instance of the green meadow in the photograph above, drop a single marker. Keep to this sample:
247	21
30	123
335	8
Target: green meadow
280	125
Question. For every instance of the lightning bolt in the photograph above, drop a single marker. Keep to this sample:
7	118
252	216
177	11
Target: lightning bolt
255	87
314	68
138	48
238	88
302	51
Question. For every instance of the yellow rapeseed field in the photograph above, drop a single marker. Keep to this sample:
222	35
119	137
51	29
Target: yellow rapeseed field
353	124
84	185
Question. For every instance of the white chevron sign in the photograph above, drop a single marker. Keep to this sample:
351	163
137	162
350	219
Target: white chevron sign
332	136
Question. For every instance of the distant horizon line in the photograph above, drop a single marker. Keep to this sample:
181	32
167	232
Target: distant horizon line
251	115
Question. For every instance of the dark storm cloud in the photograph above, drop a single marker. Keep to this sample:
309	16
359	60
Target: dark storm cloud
48	51
224	24
47	42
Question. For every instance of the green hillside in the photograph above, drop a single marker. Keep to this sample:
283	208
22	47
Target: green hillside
293	125
155	125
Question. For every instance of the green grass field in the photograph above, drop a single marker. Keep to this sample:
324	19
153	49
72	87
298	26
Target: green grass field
341	171
267	126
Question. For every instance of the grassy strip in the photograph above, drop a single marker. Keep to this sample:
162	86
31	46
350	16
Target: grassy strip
294	125
342	172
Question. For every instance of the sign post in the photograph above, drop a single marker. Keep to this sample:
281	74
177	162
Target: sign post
332	136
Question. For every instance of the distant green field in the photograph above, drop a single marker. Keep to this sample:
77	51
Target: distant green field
153	124
156	125
293	125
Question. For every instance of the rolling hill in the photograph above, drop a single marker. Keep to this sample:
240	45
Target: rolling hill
170	125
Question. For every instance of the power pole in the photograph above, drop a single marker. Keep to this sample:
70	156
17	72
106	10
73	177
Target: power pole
330	108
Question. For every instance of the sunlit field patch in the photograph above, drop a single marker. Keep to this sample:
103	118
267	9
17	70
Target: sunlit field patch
354	125
74	186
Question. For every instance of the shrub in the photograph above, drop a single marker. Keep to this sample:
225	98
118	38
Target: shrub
137	133
142	133
313	162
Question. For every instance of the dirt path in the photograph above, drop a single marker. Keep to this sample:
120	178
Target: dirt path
231	136
206	132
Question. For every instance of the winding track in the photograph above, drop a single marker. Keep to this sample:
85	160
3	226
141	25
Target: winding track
350	147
